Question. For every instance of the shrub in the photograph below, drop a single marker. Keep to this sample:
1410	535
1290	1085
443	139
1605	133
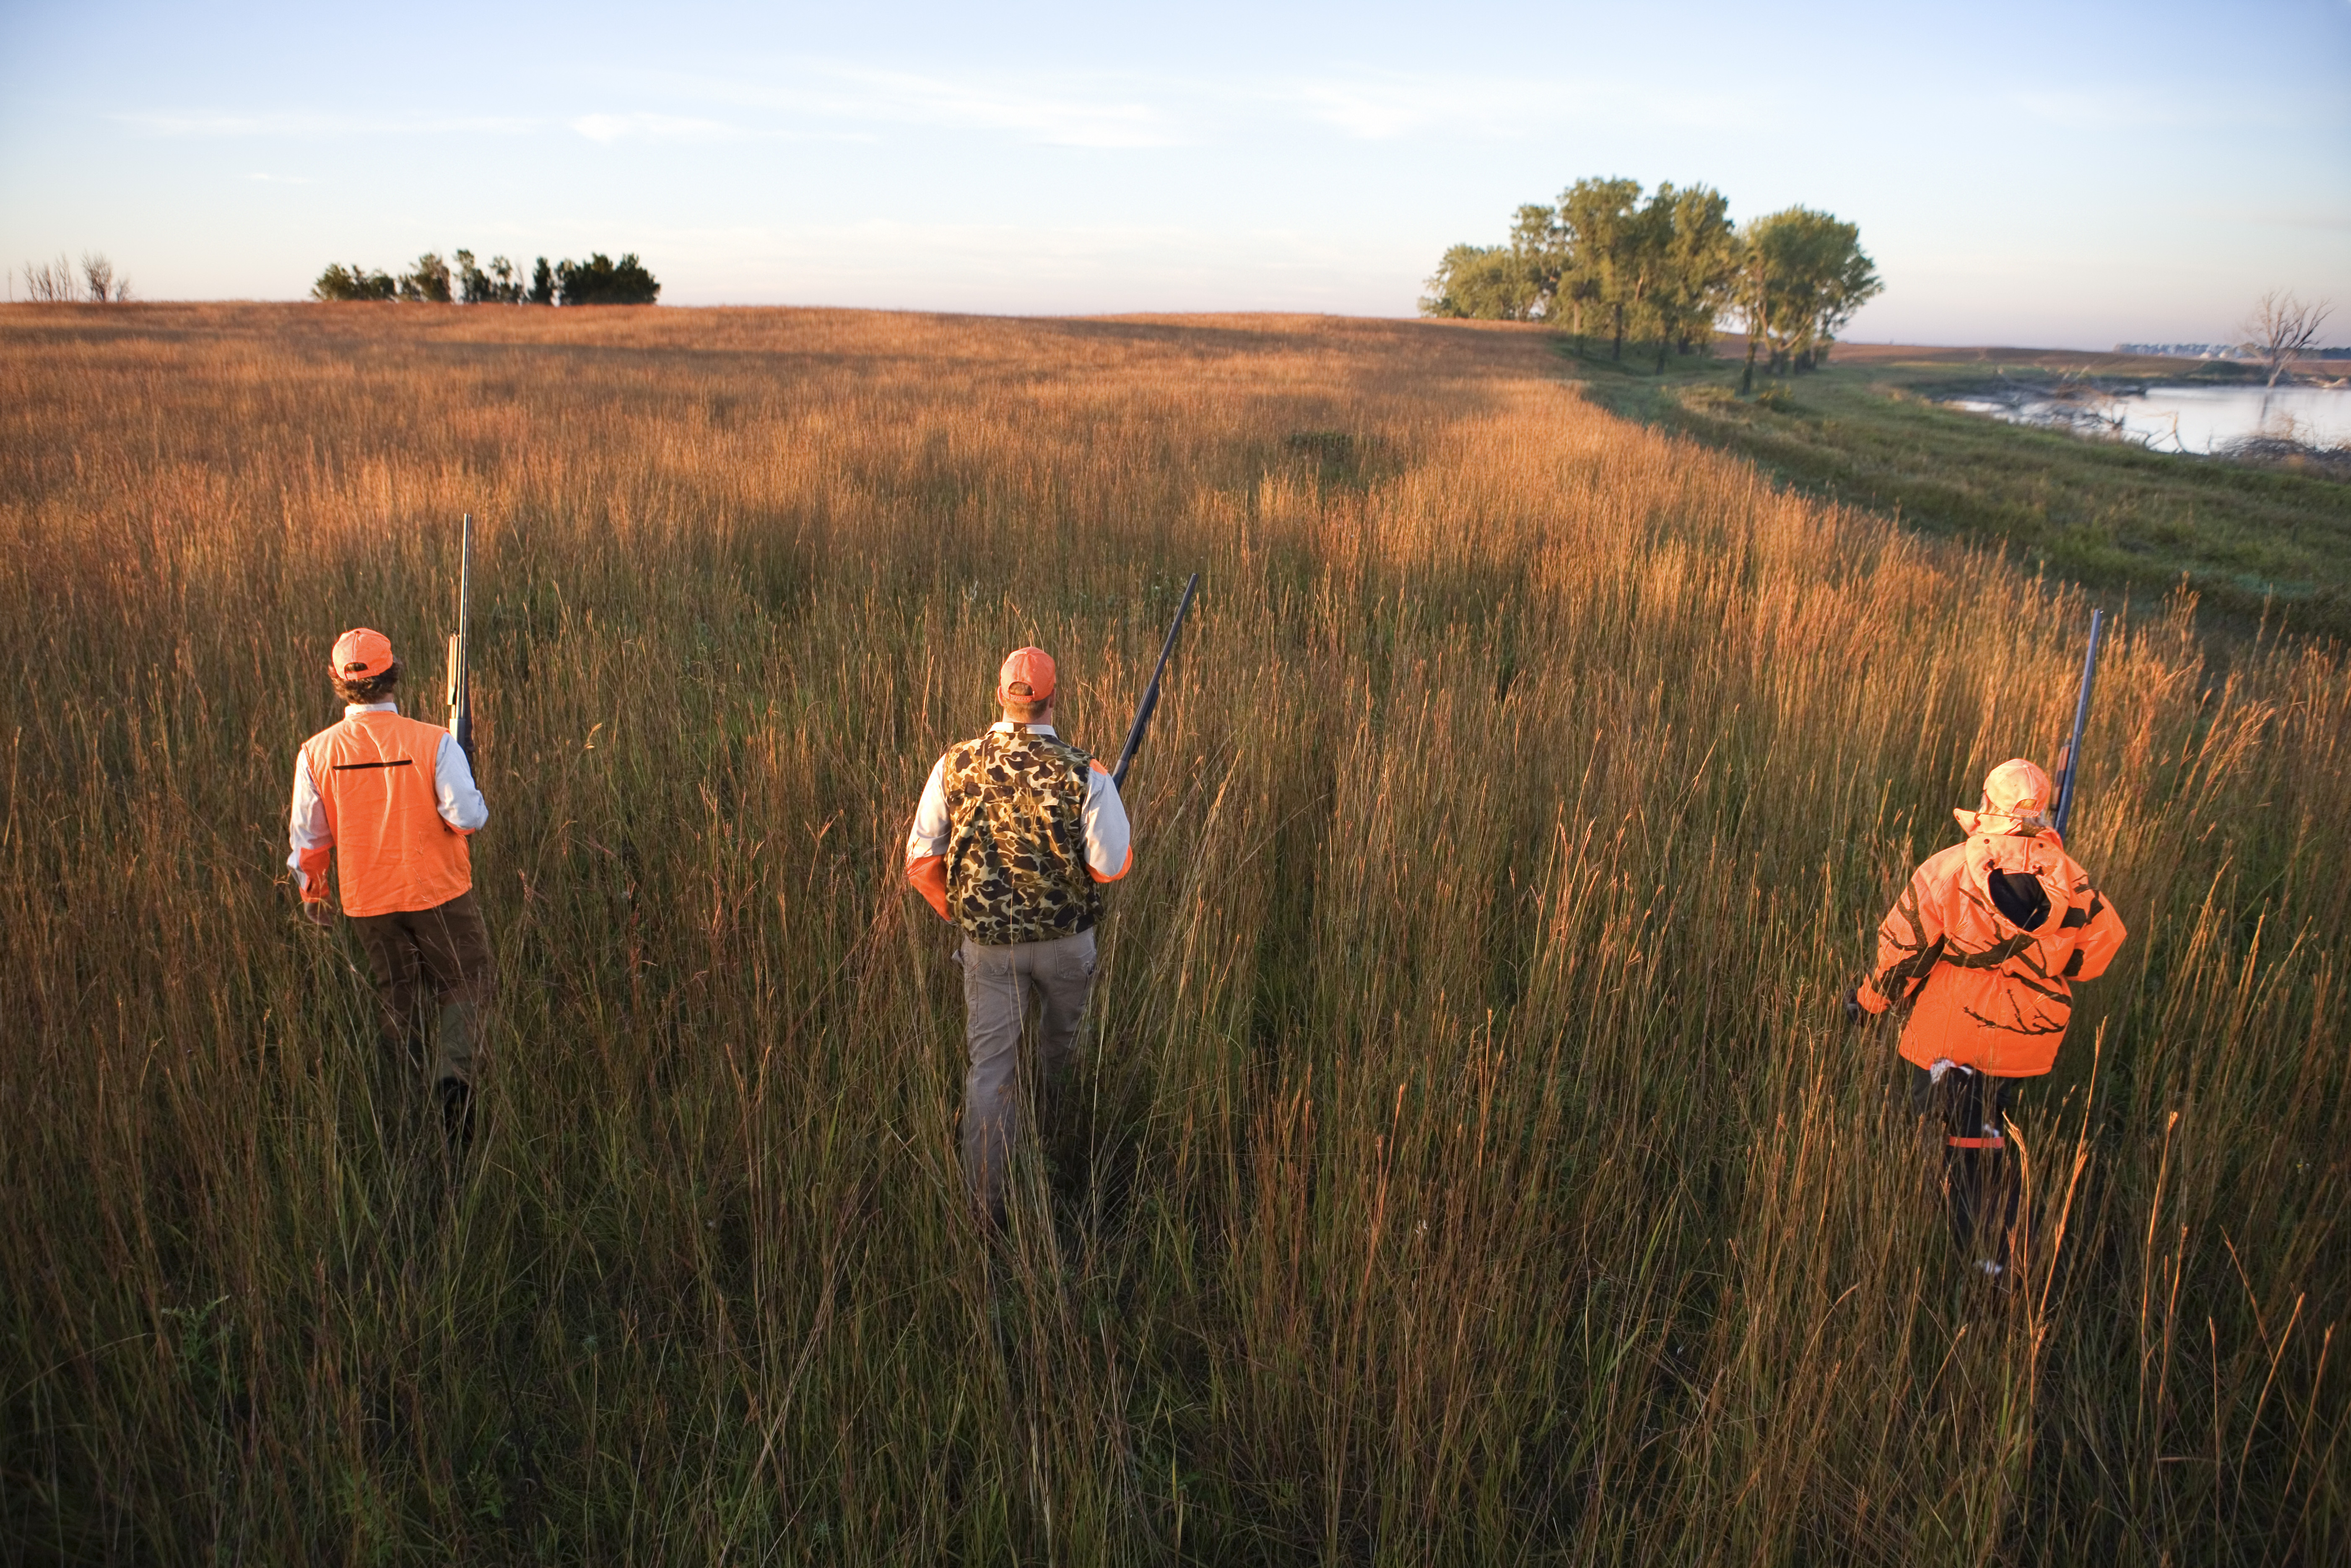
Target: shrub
499	285
599	280
353	282
428	282
52	282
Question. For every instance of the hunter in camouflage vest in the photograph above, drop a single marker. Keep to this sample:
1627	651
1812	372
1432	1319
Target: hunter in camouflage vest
1016	860
1016	832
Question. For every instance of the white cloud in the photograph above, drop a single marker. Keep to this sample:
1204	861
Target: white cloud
2102	109
311	125
610	127
1140	109
1049	113
1386	107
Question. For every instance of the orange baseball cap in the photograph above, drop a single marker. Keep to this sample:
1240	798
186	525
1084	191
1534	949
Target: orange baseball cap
2016	794
1026	676
362	654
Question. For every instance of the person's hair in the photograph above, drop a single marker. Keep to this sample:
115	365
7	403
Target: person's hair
1023	710
373	689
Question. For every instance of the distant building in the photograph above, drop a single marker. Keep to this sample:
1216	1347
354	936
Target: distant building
2217	351
2185	351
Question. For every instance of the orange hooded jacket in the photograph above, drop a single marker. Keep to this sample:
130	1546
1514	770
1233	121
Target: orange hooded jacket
1993	988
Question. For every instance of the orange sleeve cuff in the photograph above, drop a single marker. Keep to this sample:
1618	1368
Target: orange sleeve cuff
314	875
1866	994
1121	872
929	875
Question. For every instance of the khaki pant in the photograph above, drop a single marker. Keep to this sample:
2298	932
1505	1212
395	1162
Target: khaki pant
997	981
433	979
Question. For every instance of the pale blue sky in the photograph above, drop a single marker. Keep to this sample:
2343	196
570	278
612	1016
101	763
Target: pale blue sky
2051	172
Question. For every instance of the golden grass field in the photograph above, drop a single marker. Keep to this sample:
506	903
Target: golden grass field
1473	1163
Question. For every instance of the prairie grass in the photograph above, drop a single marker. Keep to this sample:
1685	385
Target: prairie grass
1470	1162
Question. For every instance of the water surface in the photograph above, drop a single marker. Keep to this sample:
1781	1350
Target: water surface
2176	418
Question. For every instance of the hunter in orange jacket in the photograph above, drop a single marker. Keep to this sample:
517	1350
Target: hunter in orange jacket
1985	945
1990	936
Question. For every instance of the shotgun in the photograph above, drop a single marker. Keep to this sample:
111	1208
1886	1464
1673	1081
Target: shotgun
461	704
1151	693
2069	766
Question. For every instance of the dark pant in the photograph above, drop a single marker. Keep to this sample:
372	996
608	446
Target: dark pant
1964	1112
434	979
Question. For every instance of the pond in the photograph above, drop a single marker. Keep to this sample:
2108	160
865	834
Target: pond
2173	418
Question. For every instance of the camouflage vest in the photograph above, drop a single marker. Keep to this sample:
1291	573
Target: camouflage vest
1016	856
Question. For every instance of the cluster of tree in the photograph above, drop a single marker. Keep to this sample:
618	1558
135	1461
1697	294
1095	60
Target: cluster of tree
598	280
1663	270
59	283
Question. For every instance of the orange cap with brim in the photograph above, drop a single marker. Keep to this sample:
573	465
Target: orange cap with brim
2016	795
1026	676
362	654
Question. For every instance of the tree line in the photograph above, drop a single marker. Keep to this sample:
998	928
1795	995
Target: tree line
1661	270
598	280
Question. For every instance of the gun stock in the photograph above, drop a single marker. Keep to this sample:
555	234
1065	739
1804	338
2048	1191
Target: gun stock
1150	702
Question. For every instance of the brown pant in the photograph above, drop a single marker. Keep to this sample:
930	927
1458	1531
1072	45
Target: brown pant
434	978
997	981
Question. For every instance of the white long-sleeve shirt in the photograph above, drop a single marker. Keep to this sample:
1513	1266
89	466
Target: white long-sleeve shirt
454	795
1109	844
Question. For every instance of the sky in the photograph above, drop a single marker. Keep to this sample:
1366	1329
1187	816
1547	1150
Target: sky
2067	174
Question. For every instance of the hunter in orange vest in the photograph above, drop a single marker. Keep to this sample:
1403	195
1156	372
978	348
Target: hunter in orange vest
389	802
1984	947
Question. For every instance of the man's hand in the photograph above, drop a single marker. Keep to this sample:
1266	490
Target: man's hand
319	912
1854	1012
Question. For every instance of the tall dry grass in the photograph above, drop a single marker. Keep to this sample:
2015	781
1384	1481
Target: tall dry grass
1470	1162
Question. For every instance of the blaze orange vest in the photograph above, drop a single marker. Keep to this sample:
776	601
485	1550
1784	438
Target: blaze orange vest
374	774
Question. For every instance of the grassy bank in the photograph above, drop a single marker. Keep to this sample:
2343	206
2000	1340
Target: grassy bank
1473	1163
1867	430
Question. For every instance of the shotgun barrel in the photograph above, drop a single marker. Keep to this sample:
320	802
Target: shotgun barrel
1151	693
2069	766
461	703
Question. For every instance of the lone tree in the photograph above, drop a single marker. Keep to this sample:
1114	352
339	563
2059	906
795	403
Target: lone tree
2282	328
105	288
1803	277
